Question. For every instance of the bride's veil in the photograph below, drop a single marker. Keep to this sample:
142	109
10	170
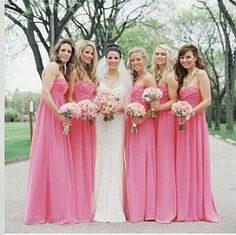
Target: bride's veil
124	75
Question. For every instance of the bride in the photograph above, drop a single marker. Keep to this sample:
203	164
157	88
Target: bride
108	191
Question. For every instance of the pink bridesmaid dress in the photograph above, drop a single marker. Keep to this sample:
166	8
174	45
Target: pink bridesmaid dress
51	186
82	136
164	126
194	196
140	167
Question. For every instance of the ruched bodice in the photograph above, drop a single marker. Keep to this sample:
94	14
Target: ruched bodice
57	91
191	94
59	87
84	90
136	96
165	98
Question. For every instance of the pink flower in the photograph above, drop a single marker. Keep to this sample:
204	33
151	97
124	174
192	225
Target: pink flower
135	110
106	103
183	111
152	94
88	110
69	110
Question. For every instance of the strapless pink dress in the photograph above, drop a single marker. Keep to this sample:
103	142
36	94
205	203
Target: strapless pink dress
51	186
140	167
165	146
194	195
82	136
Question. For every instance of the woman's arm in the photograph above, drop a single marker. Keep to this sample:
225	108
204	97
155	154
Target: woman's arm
71	85
204	86
149	81
48	77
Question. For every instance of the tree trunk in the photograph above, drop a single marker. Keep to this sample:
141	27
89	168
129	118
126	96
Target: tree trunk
229	89
36	52
217	114
209	118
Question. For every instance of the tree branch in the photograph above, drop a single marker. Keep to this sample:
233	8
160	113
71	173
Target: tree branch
227	16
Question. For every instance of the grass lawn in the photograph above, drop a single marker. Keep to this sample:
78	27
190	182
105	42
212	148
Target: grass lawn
17	141
222	132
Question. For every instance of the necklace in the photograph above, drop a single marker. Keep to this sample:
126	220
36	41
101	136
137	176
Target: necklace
160	76
189	78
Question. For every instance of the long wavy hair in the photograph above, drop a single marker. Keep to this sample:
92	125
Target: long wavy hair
140	50
169	65
88	69
180	71
55	57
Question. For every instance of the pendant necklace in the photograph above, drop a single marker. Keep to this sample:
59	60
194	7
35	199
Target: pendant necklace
187	80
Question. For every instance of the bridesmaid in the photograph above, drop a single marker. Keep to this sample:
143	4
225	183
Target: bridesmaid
51	192
165	135
140	147
194	196
82	134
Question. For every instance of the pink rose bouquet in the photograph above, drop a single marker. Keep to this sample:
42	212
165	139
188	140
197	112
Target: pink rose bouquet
135	110
69	110
152	94
183	111
106	103
88	110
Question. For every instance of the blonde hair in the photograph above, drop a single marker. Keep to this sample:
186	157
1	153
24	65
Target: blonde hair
168	67
145	56
89	69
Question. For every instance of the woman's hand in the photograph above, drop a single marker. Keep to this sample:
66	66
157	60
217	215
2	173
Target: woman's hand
137	120
155	104
119	108
63	119
182	120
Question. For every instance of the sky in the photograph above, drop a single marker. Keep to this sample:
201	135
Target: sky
20	69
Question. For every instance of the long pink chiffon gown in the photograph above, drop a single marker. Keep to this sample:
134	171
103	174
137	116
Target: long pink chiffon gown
165	148
194	196
51	186
140	167
82	136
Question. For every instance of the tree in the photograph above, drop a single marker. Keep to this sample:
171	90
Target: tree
11	115
196	27
19	101
226	30
41	22
44	22
106	21
228	24
147	34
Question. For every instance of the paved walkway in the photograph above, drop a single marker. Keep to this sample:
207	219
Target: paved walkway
224	187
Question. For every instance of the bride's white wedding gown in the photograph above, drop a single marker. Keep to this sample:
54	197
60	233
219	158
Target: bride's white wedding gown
109	166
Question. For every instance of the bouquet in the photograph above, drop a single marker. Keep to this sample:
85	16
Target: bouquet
106	103
183	111
135	110
88	110
69	110
152	94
